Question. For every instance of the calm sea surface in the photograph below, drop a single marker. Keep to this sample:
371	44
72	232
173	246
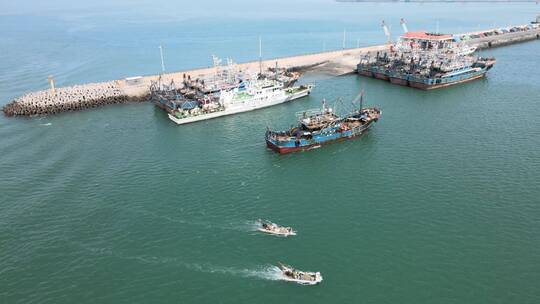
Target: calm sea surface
438	203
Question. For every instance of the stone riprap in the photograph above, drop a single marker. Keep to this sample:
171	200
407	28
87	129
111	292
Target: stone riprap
72	98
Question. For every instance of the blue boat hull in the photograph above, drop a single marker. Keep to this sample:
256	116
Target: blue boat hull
422	83
329	136
435	83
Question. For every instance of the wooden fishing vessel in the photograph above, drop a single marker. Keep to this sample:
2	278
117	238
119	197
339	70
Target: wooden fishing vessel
318	127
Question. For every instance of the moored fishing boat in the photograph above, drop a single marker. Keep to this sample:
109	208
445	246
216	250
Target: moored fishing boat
425	61
460	74
399	78
252	95
193	97
380	72
318	127
364	68
301	277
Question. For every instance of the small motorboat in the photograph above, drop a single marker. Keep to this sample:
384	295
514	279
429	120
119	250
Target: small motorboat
269	227
301	277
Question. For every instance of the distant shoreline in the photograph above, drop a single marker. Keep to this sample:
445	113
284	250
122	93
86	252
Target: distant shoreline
444	1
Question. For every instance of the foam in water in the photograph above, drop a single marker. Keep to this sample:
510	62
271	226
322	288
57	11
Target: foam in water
251	226
268	272
247	226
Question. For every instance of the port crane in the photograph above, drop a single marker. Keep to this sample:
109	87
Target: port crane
386	32
404	25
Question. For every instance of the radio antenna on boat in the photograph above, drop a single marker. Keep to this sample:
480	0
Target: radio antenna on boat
361	100
324	105
339	101
404	25
356	99
344	37
162	62
260	55
217	65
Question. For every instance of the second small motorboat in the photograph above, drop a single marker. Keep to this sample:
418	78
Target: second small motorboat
301	277
271	228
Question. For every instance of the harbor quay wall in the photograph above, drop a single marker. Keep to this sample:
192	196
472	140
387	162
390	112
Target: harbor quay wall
136	89
506	39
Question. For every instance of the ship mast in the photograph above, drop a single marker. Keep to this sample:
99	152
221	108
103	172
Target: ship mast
217	65
260	55
361	100
359	97
344	38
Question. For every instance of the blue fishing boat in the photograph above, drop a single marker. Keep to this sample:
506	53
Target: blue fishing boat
439	79
319	127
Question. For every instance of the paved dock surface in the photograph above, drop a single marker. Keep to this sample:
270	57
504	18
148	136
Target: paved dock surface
334	63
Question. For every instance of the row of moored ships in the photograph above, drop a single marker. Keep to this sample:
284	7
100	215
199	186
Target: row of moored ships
418	59
426	61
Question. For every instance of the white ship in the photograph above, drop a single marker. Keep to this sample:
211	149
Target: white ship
253	95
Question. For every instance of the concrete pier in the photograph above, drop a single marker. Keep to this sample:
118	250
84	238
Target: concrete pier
137	89
504	39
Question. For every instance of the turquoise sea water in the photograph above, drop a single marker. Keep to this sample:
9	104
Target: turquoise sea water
438	203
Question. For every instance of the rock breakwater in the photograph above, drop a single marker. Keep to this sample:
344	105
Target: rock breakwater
72	98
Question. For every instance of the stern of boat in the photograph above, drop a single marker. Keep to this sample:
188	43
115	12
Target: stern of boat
318	277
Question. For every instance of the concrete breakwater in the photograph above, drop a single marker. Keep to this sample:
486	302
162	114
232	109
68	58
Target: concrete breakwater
136	89
72	98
